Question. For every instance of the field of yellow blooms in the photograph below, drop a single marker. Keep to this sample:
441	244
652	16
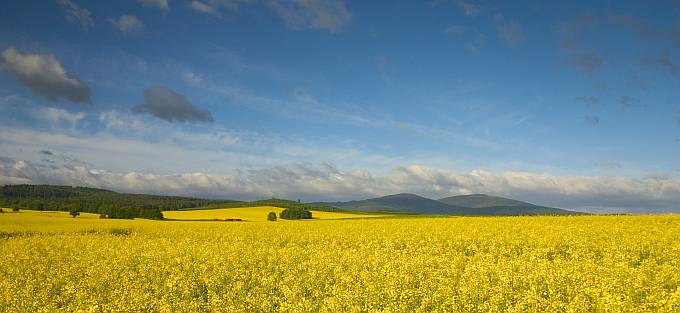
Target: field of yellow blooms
459	264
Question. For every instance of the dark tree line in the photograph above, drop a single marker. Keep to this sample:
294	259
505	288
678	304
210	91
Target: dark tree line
109	204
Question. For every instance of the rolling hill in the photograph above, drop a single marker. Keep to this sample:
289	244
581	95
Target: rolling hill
477	204
490	205
403	203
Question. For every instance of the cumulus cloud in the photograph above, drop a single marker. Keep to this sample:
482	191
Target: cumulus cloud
331	15
76	13
127	24
44	75
315	182
161	4
580	56
168	105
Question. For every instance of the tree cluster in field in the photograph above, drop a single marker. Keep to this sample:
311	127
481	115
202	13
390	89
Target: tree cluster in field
295	214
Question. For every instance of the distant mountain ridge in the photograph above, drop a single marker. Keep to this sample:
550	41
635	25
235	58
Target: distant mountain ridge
476	204
403	202
64	198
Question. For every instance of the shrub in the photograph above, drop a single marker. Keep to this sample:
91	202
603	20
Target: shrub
295	214
74	213
271	216
15	209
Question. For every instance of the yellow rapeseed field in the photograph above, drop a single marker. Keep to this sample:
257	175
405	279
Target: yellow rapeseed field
258	213
460	264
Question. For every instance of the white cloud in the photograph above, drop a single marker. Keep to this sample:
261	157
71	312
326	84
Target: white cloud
214	7
325	182
469	9
76	13
201	7
161	4
44	75
56	116
123	141
127	24
331	15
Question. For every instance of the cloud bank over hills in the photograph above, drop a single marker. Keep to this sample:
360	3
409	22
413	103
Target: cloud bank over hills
324	182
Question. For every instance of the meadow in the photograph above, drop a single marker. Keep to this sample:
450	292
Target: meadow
55	263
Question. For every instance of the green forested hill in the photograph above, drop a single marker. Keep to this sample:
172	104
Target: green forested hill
82	199
122	205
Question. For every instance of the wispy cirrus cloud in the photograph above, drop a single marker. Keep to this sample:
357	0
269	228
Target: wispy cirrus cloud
592	120
127	24
76	13
455	30
215	7
509	31
588	100
663	61
579	55
330	15
470	9
160	4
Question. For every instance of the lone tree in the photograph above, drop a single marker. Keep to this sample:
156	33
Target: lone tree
295	214
73	213
271	216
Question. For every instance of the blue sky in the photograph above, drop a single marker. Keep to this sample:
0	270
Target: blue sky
569	104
